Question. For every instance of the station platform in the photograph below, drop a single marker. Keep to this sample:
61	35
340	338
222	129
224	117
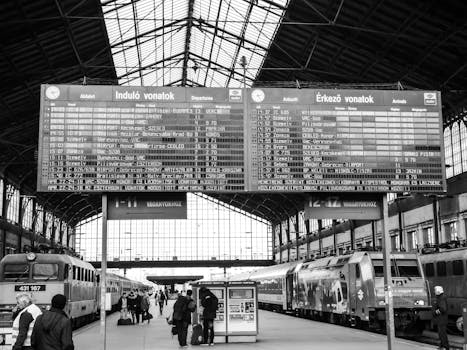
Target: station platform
276	332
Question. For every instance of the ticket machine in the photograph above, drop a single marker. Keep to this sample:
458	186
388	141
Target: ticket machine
237	314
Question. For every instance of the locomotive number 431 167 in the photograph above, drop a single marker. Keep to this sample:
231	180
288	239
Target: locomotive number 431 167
30	288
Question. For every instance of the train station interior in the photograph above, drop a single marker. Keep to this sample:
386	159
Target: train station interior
327	45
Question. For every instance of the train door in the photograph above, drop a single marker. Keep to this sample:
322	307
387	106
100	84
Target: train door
352	289
289	290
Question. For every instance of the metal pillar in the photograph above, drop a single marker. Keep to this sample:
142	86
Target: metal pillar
307	228
103	279
334	223
20	222
4	214
435	220
34	223
280	243
297	236
387	276
320	239
352	235
399	217
373	233
287	232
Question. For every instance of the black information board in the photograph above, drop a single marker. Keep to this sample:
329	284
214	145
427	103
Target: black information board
131	139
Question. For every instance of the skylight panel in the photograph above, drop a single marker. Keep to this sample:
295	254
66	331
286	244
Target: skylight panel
198	41
217	79
150	78
177	9
147	50
144	18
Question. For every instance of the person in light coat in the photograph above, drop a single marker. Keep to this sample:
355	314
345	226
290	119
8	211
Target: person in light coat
26	314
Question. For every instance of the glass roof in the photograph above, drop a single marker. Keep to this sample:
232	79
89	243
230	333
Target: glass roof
190	42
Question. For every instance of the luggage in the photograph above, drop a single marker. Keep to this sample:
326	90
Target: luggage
174	330
124	322
197	335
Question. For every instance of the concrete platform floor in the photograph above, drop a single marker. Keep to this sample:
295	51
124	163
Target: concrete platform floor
277	332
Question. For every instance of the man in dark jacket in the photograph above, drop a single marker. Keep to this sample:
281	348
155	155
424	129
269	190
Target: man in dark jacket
209	303
181	319
440	314
52	330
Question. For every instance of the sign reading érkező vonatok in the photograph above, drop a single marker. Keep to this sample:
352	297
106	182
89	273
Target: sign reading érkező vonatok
174	139
132	206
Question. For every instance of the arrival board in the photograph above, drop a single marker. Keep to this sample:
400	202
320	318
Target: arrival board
118	139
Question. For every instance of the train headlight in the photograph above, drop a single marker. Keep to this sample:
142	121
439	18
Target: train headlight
420	302
31	256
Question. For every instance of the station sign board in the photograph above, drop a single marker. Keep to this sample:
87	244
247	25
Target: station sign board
363	206
158	206
174	139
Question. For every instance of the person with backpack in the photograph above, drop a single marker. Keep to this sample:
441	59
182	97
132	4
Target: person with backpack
181	319
52	329
210	303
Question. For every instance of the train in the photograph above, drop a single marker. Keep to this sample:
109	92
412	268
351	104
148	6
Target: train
44	275
448	268
348	290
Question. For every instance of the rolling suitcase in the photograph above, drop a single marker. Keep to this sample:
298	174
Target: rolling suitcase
124	322
197	335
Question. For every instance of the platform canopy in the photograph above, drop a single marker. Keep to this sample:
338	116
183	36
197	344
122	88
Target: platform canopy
296	43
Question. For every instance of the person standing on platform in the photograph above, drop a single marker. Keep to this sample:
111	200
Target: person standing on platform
209	302
161	298
181	318
53	330
122	306
440	314
139	299
132	306
145	304
26	314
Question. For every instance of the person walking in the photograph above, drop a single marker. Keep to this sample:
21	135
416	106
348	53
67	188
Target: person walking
440	315
26	314
145	304
161	298
209	302
181	318
53	330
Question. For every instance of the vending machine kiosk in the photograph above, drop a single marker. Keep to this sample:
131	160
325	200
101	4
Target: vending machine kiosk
237	313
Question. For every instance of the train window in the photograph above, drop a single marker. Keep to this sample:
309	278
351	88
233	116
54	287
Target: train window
379	269
441	268
344	289
458	267
408	268
78	269
45	272
65	271
429	270
87	276
74	273
357	271
17	272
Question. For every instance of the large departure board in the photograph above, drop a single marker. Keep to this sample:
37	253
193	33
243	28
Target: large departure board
118	139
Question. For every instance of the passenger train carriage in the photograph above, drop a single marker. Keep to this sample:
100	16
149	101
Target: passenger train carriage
44	275
449	269
348	289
